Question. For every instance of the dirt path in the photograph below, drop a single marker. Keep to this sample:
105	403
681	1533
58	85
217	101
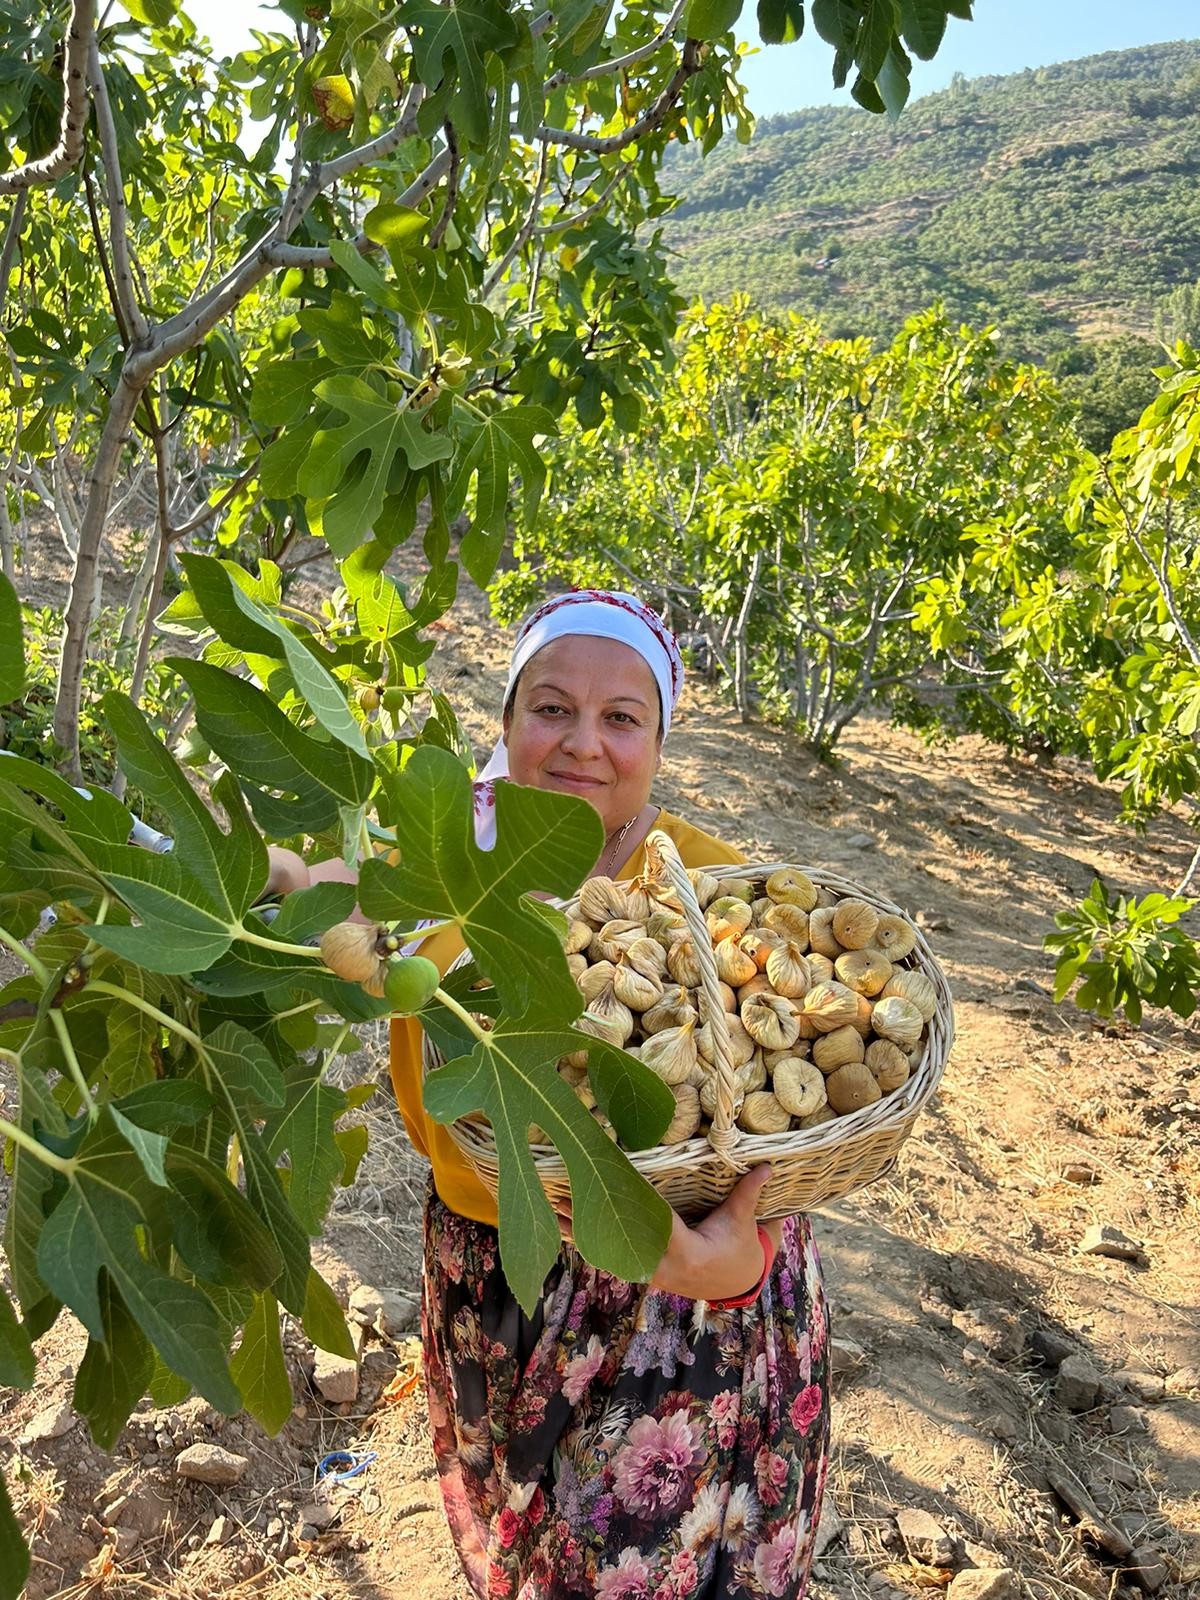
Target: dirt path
940	1277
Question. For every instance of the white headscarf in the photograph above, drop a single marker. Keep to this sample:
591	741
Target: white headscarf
594	613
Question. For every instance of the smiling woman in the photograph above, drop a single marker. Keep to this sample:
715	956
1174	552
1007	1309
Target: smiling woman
627	1440
584	719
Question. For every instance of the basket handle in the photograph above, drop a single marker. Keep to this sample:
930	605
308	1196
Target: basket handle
664	865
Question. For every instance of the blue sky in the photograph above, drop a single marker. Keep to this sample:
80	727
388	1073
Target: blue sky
1006	36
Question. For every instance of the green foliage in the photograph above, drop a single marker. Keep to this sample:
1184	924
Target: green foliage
791	496
1178	317
1124	952
1097	651
1111	383
163	1033
26	716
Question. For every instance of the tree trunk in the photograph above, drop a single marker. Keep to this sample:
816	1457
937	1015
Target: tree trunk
141	586
739	640
81	607
8	537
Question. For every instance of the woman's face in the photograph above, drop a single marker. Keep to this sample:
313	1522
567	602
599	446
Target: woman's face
585	720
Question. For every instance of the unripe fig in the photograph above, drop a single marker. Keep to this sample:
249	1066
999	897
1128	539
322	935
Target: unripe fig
410	983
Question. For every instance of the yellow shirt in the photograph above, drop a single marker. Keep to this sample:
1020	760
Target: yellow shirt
453	1176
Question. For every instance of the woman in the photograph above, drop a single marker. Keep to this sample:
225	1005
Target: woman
630	1442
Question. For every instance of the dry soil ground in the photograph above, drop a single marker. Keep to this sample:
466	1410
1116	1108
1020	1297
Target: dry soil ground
957	1284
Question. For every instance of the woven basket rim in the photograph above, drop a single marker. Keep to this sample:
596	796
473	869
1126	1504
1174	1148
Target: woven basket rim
893	1114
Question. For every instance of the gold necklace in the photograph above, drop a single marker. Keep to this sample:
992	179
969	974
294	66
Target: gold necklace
614	850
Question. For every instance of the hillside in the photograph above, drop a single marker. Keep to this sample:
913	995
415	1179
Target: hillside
1062	203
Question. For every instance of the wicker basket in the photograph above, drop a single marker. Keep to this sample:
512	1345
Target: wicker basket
809	1165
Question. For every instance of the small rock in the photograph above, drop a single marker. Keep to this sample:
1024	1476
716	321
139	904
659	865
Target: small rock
318	1514
275	1528
1050	1347
845	1356
984	1583
1147	1386
294	1564
938	1315
994	1327
221	1531
1053	1427
124	1541
400	1314
978	1555
1001	1426
1103	1239
335	1377
1123	1474
389	1311
924	1537
934	922
142	1509
974	1354
1080	1172
208	1463
1183	1381
1077	1384
1148	1568
366	1302
861	841
51	1422
1132	1524
829	1530
1126	1419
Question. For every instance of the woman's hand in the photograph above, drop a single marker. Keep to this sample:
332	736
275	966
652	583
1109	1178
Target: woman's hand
286	871
721	1257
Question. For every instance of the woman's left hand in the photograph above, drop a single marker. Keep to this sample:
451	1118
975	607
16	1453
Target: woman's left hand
721	1257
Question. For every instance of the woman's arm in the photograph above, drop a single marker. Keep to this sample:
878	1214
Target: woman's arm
288	872
721	1257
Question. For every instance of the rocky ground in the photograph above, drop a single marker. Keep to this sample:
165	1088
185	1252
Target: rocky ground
1017	1306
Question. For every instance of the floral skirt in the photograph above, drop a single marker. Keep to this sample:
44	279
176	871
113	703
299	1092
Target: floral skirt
623	1443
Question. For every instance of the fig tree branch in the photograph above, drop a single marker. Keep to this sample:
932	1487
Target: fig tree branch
118	217
689	65
622	63
49	168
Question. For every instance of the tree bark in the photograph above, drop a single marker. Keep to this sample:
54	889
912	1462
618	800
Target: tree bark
81	608
739	640
8	539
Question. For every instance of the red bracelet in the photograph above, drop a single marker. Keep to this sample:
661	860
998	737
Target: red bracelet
751	1295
